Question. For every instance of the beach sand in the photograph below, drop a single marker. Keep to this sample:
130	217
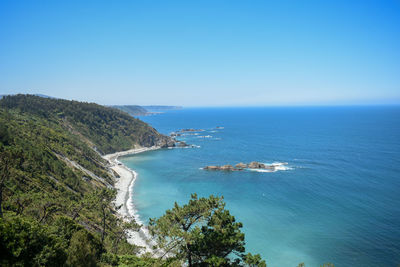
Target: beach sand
124	185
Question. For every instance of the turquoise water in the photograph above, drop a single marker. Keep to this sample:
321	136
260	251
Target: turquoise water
339	200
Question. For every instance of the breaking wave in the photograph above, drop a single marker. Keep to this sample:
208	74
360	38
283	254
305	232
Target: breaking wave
275	166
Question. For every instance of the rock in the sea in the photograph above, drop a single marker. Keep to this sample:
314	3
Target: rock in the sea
256	165
191	130
241	165
181	144
220	168
227	168
166	142
212	168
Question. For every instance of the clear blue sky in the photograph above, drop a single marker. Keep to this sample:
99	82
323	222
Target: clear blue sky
203	53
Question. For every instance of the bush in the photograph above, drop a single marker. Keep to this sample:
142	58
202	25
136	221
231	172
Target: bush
27	243
84	249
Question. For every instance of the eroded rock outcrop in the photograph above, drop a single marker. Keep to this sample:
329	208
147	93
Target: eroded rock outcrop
220	168
240	166
227	168
212	168
166	141
256	165
181	144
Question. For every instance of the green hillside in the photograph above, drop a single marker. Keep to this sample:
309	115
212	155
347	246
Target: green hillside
107	130
55	189
133	110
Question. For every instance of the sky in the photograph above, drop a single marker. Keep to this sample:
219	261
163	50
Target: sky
203	53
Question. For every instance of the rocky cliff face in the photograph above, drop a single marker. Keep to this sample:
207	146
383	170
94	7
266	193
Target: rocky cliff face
151	139
165	141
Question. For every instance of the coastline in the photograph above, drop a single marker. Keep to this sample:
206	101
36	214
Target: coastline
124	185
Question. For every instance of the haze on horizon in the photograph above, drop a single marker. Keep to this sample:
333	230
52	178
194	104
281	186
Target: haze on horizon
203	53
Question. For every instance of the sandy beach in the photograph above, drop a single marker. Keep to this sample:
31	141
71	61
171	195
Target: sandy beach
124	185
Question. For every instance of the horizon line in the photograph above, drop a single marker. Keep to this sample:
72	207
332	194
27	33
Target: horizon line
227	106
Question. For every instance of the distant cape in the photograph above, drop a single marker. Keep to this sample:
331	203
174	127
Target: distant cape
136	110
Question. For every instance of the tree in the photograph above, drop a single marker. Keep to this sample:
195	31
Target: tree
254	260
5	162
84	249
27	243
121	234
4	135
101	200
219	238
200	233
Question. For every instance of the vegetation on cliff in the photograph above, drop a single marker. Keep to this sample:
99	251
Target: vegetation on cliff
108	130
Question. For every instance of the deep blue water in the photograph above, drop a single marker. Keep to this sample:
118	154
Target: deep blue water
339	202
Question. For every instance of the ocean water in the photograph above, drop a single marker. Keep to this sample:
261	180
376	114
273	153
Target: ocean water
337	201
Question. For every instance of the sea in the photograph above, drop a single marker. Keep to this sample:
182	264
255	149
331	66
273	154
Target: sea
335	197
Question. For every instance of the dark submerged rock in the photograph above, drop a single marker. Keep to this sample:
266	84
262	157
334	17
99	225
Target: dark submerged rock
256	165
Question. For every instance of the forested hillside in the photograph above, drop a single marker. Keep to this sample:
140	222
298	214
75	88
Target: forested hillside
108	130
55	189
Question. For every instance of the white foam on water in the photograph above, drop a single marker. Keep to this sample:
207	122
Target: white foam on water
277	166
261	170
130	205
142	237
281	166
278	163
204	136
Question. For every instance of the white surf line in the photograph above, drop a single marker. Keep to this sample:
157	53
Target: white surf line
124	185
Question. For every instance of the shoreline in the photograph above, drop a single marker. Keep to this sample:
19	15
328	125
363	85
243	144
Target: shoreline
124	185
